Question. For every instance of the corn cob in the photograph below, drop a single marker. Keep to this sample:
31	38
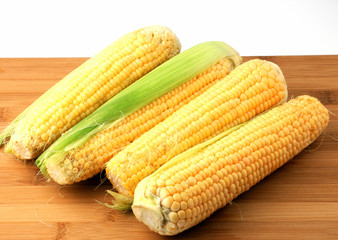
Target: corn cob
158	82
87	88
250	89
89	159
188	189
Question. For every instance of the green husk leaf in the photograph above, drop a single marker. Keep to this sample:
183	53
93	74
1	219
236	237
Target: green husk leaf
7	133
163	79
120	202
121	198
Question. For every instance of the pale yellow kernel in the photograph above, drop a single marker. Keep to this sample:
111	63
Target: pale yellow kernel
192	180
75	164
167	202
216	188
271	82
44	137
177	197
244	173
179	188
209	192
169	182
171	227
286	131
181	223
225	182
228	168
195	199
190	203
185	185
204	197
184	196
80	161
202	186
129	173
189	192
184	205
175	206
232	188
239	167
234	176
252	64
266	66
188	213
181	214
219	174
86	166
296	124
246	161
173	217
215	178
164	193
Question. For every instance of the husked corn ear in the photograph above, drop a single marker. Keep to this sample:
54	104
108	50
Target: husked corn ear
165	78
248	90
87	88
89	159
187	190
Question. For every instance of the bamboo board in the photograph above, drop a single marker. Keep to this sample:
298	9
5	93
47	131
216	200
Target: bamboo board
298	201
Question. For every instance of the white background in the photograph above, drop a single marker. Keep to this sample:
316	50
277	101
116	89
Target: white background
64	28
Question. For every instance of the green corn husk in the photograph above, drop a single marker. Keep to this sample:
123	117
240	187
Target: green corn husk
163	79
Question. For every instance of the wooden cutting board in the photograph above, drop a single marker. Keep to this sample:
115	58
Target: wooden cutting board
299	201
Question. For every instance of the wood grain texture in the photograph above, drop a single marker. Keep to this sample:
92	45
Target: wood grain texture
298	201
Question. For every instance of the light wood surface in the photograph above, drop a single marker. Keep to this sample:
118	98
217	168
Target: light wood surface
298	201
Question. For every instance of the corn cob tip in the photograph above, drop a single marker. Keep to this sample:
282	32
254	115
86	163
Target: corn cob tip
20	151
169	35
236	59
232	54
280	72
